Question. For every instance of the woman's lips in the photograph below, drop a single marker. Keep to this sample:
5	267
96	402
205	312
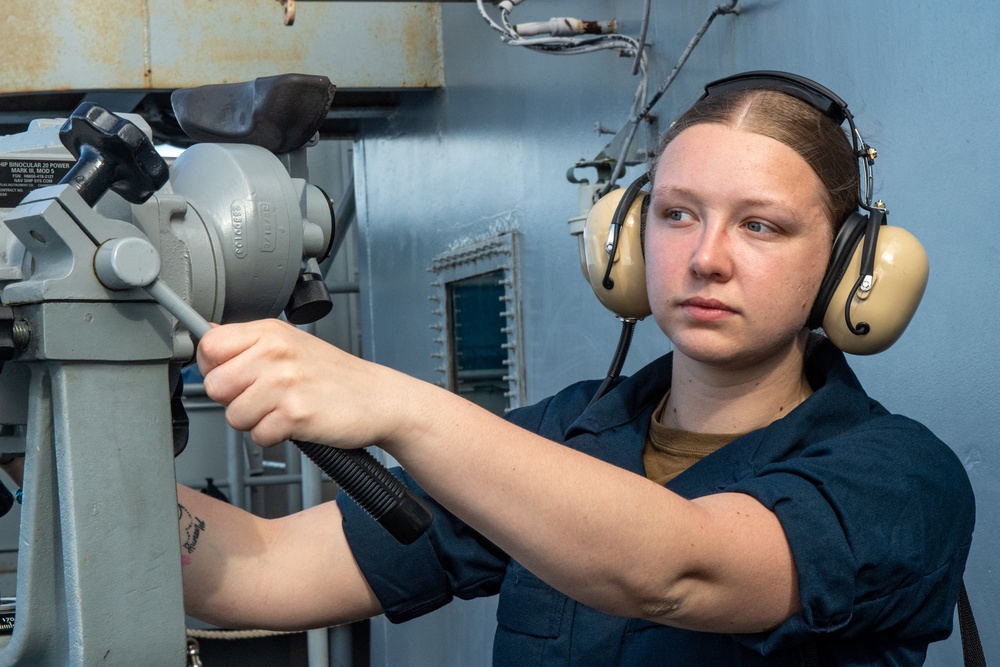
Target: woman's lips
706	309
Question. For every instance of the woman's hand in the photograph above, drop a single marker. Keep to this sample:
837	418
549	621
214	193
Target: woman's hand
279	383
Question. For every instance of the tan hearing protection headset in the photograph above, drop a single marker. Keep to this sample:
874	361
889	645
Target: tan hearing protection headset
874	280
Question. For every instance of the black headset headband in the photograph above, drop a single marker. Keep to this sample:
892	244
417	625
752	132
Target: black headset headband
815	95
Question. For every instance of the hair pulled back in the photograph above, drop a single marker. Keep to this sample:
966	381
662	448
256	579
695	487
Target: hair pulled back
818	139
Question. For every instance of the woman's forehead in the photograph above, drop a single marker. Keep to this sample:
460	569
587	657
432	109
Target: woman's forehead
712	161
714	155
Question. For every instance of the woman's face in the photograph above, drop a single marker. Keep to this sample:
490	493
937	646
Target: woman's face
737	241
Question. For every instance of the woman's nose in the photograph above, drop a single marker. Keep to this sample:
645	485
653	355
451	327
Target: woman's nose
711	257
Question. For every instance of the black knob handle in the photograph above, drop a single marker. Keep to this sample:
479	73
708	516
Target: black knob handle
112	153
310	300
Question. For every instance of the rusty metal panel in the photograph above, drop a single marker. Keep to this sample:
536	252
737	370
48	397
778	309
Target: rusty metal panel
54	45
58	45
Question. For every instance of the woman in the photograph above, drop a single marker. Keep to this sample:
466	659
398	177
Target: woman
738	501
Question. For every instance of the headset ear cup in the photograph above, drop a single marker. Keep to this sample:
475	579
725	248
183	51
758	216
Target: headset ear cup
900	277
844	245
627	296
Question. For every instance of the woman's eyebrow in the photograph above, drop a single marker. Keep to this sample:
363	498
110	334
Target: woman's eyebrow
749	201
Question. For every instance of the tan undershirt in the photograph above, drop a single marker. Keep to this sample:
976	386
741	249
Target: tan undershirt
668	451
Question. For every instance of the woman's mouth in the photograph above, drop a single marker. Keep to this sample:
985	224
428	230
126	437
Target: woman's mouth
700	308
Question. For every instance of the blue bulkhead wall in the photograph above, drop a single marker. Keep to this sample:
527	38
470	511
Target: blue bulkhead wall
491	151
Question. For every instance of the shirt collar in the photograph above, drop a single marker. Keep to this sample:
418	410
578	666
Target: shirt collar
838	398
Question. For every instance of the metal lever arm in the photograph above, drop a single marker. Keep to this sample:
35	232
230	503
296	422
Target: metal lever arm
133	262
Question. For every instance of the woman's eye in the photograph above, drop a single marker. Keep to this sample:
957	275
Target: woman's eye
677	216
757	226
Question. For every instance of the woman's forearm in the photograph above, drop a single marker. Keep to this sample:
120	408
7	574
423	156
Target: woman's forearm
242	571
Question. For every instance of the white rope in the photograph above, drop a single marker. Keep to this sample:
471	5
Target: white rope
239	634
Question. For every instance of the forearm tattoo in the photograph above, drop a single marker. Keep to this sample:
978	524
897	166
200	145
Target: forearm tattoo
191	528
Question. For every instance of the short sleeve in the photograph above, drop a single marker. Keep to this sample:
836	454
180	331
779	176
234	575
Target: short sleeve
449	560
879	520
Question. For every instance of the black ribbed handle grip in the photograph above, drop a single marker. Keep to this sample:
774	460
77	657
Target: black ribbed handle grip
372	487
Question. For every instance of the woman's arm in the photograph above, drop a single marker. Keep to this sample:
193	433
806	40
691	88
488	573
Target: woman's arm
292	573
604	536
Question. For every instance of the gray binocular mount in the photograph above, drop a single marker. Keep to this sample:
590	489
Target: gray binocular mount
111	265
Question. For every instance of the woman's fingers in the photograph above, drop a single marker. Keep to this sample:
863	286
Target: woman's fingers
279	382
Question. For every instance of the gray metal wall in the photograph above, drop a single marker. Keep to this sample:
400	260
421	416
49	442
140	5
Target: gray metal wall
492	149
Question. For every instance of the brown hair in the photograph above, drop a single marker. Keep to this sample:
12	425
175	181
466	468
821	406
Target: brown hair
817	138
